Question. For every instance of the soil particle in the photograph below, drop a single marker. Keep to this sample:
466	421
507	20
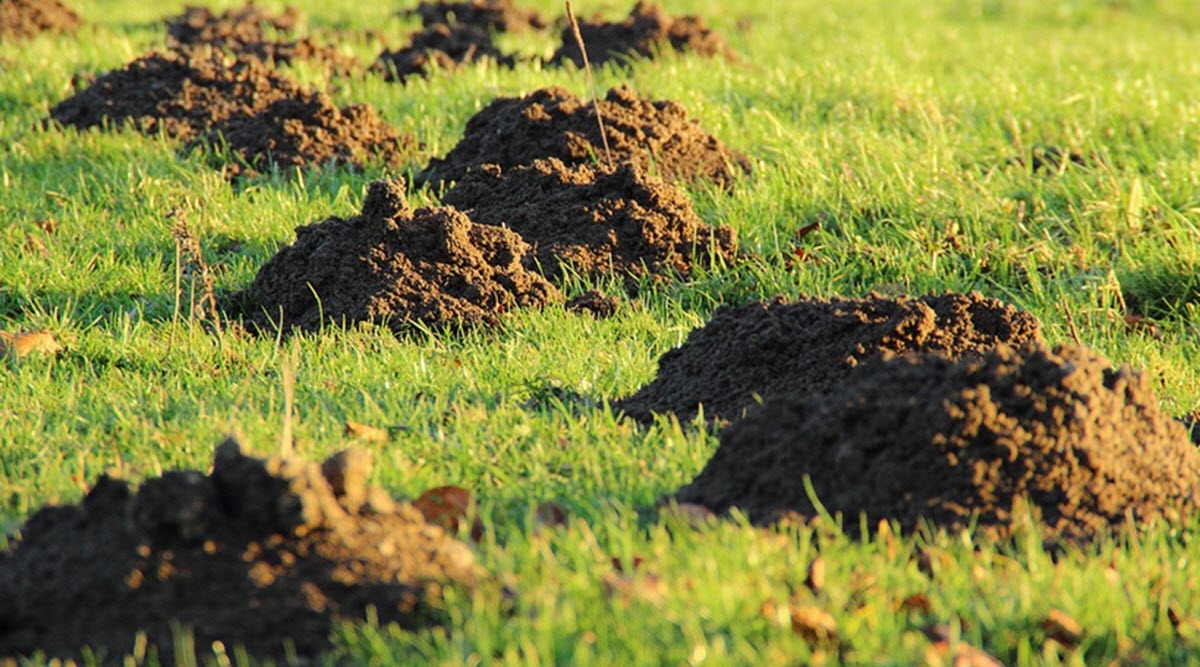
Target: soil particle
923	436
498	15
258	553
22	19
175	94
597	220
440	47
396	266
595	303
244	31
647	31
551	122
808	347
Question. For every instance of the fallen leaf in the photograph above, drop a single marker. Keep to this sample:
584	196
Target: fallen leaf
1062	628
365	432
1143	324
34	245
815	625
28	342
815	580
961	654
918	602
629	587
447	506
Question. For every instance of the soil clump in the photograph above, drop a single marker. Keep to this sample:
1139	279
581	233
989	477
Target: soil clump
808	347
22	19
395	266
498	15
917	437
553	123
597	220
646	32
258	553
440	46
594	303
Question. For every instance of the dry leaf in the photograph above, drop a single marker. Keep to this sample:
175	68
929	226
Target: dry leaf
629	587
815	625
28	342
1143	324
918	602
1062	628
365	432
447	506
816	575
34	245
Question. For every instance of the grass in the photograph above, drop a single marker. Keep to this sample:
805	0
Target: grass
892	123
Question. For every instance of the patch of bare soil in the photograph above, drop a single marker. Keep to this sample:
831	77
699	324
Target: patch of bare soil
918	437
179	95
598	220
307	129
553	123
440	46
258	553
808	347
647	31
498	15
396	266
22	19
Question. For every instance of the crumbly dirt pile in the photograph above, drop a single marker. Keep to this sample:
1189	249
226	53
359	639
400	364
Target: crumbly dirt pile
808	347
643	34
21	19
257	553
498	15
923	436
243	31
393	265
309	130
551	122
176	94
440	47
598	220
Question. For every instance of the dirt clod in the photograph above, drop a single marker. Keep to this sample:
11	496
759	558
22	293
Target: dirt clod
551	122
440	46
259	553
922	436
808	347
22	19
647	31
598	220
595	303
393	265
244	31
499	15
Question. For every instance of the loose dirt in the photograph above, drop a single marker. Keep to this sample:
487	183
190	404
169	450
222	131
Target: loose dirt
923	436
647	31
440	47
498	15
258	553
396	266
22	19
597	220
595	303
808	347
656	136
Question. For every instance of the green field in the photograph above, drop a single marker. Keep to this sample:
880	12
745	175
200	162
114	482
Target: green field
892	123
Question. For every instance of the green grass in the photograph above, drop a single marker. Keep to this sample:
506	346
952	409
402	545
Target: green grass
890	122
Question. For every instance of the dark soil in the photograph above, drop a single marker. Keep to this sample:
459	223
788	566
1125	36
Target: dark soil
1051	159
647	31
595	303
309	130
22	19
598	220
393	265
922	436
551	122
440	47
258	553
179	95
808	347
498	15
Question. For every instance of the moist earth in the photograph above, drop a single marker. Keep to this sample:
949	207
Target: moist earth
498	15
647	31
595	303
808	347
597	220
924	437
440	46
656	136
395	266
22	19
258	553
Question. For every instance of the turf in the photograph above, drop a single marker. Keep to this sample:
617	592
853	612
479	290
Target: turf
893	124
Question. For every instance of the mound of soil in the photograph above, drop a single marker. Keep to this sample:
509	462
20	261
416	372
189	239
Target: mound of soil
808	347
923	436
598	220
498	15
177	94
551	122
309	130
396	266
647	31
258	553
440	47
22	19
244	31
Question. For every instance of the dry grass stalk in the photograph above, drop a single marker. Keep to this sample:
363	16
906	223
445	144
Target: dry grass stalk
587	67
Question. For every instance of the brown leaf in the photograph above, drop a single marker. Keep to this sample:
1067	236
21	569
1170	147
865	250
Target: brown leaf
365	432
28	342
961	654
1062	628
629	587
447	506
918	602
1143	324
807	229
816	575
34	245
815	625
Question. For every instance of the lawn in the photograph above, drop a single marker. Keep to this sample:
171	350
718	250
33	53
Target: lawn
905	128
